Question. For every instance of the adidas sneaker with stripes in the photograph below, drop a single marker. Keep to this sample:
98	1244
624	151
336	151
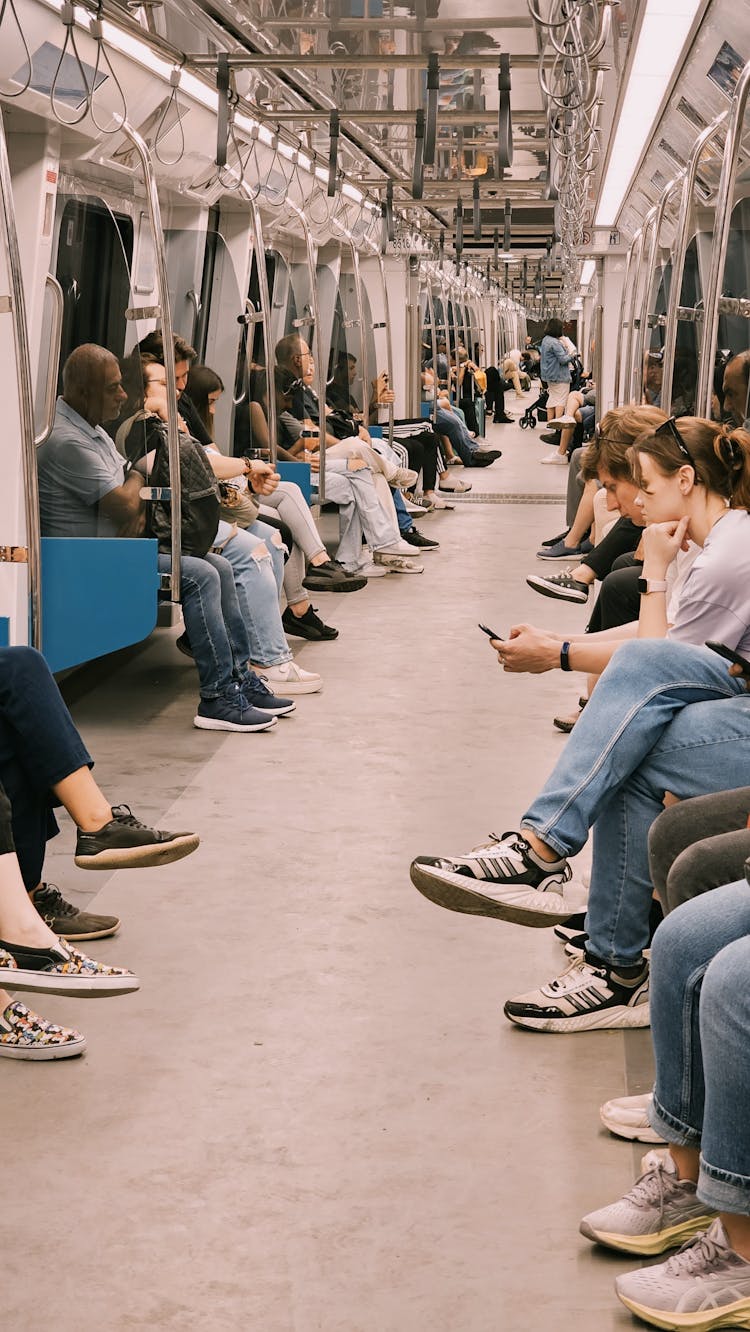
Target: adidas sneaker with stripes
586	997
503	878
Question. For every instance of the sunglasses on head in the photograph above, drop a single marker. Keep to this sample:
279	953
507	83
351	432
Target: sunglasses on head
670	428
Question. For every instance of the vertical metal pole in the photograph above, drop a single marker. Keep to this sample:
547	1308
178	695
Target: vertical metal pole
162	284
721	241
25	392
634	386
388	339
625	355
364	369
265	308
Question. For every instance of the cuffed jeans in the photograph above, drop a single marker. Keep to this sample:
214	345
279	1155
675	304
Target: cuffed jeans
258	579
213	620
664	717
700	1026
39	747
360	512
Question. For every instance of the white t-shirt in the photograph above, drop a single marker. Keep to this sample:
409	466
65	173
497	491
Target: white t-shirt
715	599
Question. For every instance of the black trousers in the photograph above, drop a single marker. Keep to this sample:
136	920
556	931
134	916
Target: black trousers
423	450
619	600
39	746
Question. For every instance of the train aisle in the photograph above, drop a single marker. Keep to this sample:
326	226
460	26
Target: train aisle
314	1117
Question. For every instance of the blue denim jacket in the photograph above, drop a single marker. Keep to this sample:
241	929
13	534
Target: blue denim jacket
554	367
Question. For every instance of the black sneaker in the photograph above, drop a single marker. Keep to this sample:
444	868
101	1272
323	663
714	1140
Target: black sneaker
416	539
125	842
183	645
260	697
66	920
502	419
556	540
332	577
562	586
504	878
485	459
308	625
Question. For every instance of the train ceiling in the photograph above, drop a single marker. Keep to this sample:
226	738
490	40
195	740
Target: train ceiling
440	111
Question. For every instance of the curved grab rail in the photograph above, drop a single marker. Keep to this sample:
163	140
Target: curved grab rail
162	284
650	271
25	393
681	245
53	364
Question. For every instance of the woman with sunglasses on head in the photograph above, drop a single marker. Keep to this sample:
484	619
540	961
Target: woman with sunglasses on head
633	742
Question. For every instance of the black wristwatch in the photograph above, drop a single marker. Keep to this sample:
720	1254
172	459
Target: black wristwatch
565	657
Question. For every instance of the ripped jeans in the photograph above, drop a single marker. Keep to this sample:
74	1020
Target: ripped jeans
257	559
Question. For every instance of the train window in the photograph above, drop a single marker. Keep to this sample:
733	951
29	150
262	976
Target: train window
731	379
93	267
686	355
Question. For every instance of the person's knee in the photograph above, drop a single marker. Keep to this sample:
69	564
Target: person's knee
724	984
690	874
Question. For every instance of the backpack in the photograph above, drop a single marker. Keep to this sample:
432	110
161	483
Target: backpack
201	501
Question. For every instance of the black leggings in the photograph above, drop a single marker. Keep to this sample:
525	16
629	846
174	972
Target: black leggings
619	601
423	456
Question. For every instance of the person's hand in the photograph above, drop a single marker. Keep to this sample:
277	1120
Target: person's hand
381	393
736	670
528	650
262	478
661	542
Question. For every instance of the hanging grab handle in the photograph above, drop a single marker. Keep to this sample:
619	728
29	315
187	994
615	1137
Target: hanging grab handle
103	61
333	154
504	126
417	176
433	87
9	6
67	15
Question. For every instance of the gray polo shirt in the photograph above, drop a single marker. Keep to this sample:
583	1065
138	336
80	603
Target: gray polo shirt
78	465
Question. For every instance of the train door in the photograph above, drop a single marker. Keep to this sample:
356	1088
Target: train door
658	292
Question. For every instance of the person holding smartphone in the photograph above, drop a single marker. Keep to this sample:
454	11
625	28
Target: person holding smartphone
652	725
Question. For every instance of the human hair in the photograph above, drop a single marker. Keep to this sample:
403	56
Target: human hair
610	449
287	349
83	375
554	328
154	344
202	381
718	454
134	379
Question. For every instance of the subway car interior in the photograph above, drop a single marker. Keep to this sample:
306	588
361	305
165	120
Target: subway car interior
405	254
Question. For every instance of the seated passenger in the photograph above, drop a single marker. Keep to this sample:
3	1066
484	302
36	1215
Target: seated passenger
285	498
736	380
577	420
630	745
256	555
84	490
698	1196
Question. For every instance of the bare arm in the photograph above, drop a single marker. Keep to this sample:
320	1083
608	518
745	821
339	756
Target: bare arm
123	506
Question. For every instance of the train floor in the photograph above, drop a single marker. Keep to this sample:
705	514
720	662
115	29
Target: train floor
313	1117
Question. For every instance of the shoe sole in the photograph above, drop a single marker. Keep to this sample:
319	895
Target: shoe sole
568	557
300	687
87	987
453	894
649	1245
565	726
395	569
425	550
154	854
632	1132
89	934
617	1018
729	1315
209	724
356	585
309	637
68	1051
559	594
276	712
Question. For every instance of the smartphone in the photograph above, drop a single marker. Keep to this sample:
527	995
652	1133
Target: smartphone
730	655
491	634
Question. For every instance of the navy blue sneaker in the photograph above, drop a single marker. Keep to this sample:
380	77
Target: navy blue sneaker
559	552
257	693
231	712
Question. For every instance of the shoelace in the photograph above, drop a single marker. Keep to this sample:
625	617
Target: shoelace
573	976
124	814
652	1187
706	1249
52	905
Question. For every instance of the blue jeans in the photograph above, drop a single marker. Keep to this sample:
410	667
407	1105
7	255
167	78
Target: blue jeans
700	1025
213	620
664	717
258	581
39	746
448	424
360	512
405	520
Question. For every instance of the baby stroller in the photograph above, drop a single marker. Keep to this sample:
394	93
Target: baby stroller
528	420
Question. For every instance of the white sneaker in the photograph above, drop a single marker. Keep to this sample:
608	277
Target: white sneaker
660	1212
398	547
369	569
398	563
627	1117
560	422
290	678
554	460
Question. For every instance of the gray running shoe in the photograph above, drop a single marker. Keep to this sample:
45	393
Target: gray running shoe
704	1286
660	1212
503	878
